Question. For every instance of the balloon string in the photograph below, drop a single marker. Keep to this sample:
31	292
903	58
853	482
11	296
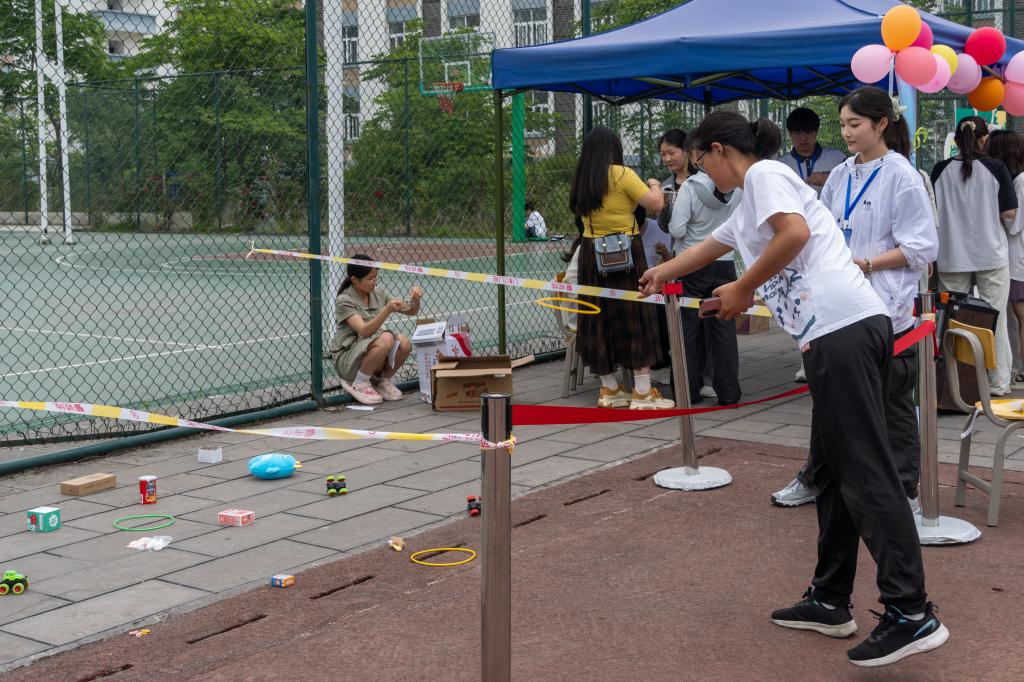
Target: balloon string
892	70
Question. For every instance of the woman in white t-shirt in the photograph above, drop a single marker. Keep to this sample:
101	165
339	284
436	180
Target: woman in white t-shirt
799	263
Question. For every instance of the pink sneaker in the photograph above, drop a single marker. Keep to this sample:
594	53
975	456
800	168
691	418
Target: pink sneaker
364	393
387	390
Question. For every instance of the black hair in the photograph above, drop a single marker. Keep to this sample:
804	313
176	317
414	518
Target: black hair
354	270
601	148
875	104
1008	147
677	138
529	206
760	139
969	132
803	120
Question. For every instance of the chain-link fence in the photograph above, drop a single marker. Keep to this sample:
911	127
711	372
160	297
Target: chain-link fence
156	140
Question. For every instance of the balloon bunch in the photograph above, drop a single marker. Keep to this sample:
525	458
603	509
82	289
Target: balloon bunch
909	49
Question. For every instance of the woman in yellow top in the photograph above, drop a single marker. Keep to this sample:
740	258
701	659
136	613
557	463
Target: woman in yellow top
603	197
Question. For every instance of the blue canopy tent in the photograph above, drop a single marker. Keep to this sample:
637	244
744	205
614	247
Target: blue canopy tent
717	51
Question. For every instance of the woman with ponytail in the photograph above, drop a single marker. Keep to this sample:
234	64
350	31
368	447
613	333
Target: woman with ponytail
976	203
365	354
883	209
800	264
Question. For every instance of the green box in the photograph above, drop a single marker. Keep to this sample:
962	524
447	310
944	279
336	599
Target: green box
44	519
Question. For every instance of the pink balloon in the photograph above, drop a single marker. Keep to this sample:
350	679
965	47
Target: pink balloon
986	44
941	77
1015	69
870	63
915	65
967	76
1013	99
924	38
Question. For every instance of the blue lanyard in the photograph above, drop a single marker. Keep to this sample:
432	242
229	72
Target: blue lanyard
810	161
848	211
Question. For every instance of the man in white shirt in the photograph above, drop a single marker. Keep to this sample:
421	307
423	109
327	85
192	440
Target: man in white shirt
810	160
536	228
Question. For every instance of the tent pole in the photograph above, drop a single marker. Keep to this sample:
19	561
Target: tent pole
499	212
588	101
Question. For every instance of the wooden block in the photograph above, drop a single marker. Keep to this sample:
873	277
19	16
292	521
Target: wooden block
86	485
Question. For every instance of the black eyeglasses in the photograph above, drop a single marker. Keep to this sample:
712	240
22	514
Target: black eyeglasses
699	163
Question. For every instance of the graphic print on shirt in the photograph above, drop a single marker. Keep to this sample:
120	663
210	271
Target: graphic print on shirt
789	301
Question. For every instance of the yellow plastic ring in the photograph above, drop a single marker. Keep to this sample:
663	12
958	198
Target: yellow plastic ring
593	310
472	555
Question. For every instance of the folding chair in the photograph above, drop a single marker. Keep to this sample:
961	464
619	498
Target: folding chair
572	370
976	346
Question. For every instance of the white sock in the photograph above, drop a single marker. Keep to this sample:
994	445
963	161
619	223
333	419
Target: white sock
609	381
361	378
642	383
914	616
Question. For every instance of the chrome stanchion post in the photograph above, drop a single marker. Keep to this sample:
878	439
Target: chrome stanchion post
932	528
496	539
690	476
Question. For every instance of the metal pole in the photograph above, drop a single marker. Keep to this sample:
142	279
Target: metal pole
138	159
62	117
313	205
588	101
219	183
496	541
87	160
499	212
41	63
407	124
24	159
679	376
928	419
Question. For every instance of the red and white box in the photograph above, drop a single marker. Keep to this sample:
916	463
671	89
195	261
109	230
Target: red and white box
236	517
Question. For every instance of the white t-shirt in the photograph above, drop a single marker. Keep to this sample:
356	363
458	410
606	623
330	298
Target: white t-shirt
535	225
1015	233
651	235
821	291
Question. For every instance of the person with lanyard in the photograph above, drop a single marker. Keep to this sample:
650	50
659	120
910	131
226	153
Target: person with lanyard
886	218
800	264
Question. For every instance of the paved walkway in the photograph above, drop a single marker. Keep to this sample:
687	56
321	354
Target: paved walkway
85	584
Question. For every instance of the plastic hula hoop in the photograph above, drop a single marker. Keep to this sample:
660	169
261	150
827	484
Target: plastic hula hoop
169	520
592	310
472	555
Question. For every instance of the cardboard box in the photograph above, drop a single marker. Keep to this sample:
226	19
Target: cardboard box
211	455
85	485
458	383
282	580
752	324
236	517
433	339
43	519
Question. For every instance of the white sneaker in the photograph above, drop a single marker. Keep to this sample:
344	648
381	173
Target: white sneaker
708	392
387	390
364	393
652	400
801	376
915	505
998	392
794	494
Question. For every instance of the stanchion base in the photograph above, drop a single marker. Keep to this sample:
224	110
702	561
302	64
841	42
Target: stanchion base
949	531
705	478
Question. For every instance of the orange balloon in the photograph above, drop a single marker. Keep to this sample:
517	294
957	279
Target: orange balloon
900	27
988	95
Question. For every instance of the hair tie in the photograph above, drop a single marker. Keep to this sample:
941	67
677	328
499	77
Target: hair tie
967	124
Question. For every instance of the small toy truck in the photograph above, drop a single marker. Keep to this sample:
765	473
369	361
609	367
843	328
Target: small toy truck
13	582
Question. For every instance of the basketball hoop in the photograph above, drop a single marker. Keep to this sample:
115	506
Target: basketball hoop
446	95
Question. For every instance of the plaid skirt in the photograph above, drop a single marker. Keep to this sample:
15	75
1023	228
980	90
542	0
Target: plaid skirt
624	334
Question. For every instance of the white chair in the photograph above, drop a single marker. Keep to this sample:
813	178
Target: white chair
572	369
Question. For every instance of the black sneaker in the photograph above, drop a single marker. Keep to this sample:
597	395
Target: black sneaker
896	637
810	614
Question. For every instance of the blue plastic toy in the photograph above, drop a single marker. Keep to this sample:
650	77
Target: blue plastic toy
273	465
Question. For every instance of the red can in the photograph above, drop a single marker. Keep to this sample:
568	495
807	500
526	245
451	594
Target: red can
147	489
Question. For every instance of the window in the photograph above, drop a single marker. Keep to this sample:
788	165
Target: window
538	102
115	47
397	30
350	44
350	109
464	21
531	26
114	6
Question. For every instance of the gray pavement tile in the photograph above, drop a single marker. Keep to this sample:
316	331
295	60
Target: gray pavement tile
451	500
323	448
70	510
90	617
410	445
725	432
232	539
668	429
592	433
250	485
346	461
794	430
13	647
172	504
441	477
757	428
261	446
254	564
615	448
128	495
28	603
130	569
548	470
372	527
46	565
114	545
365	476
26	543
48	496
263	504
181	464
357	502
532	450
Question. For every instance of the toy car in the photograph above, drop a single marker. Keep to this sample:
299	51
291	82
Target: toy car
13	582
474	505
337	485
